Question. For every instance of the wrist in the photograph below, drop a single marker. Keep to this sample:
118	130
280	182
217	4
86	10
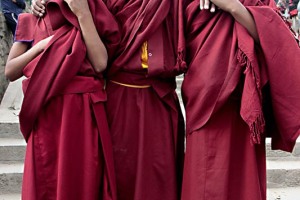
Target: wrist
82	16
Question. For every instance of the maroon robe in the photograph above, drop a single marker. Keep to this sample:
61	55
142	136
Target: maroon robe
69	152
235	93
145	118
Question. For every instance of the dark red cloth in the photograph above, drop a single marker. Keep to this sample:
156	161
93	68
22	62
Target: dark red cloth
67	40
62	112
146	123
234	90
66	153
139	20
216	39
284	86
148	137
221	163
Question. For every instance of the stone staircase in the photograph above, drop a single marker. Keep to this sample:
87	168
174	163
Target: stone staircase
283	169
12	144
283	173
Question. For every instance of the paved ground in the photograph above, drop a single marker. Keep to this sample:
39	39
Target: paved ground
273	194
284	193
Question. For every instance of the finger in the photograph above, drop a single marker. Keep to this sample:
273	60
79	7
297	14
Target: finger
37	8
40	5
206	4
36	12
33	11
201	4
212	8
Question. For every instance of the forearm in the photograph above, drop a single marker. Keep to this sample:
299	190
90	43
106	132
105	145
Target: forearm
243	16
19	59
240	14
96	50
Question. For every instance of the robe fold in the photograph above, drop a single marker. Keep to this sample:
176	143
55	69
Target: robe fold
236	92
63	119
143	109
139	21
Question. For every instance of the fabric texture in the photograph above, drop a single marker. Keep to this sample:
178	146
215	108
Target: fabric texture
69	151
221	163
239	55
139	20
236	92
146	123
8	6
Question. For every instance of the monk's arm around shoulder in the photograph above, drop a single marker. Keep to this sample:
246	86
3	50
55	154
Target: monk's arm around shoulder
96	50
240	13
19	56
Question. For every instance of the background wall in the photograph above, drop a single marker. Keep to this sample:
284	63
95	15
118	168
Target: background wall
5	44
6	41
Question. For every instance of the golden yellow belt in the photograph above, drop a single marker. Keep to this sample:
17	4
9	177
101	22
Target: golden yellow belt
129	85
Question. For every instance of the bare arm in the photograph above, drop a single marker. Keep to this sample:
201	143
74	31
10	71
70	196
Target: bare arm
96	50
240	13
237	10
19	57
243	16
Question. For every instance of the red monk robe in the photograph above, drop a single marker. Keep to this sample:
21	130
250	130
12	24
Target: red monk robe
235	93
69	152
143	109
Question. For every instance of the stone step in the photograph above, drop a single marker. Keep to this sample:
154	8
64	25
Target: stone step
10	177
282	174
13	96
10	197
282	155
12	144
292	193
9	110
12	149
272	194
10	130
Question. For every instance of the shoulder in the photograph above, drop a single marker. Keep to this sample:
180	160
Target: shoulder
25	27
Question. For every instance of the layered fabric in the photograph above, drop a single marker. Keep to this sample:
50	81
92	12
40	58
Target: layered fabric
236	88
139	20
69	151
221	163
143	110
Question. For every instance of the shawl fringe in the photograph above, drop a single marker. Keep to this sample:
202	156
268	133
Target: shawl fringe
257	129
252	112
182	67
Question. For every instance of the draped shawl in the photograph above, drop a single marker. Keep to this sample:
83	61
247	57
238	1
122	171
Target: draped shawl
139	19
64	53
222	57
59	64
